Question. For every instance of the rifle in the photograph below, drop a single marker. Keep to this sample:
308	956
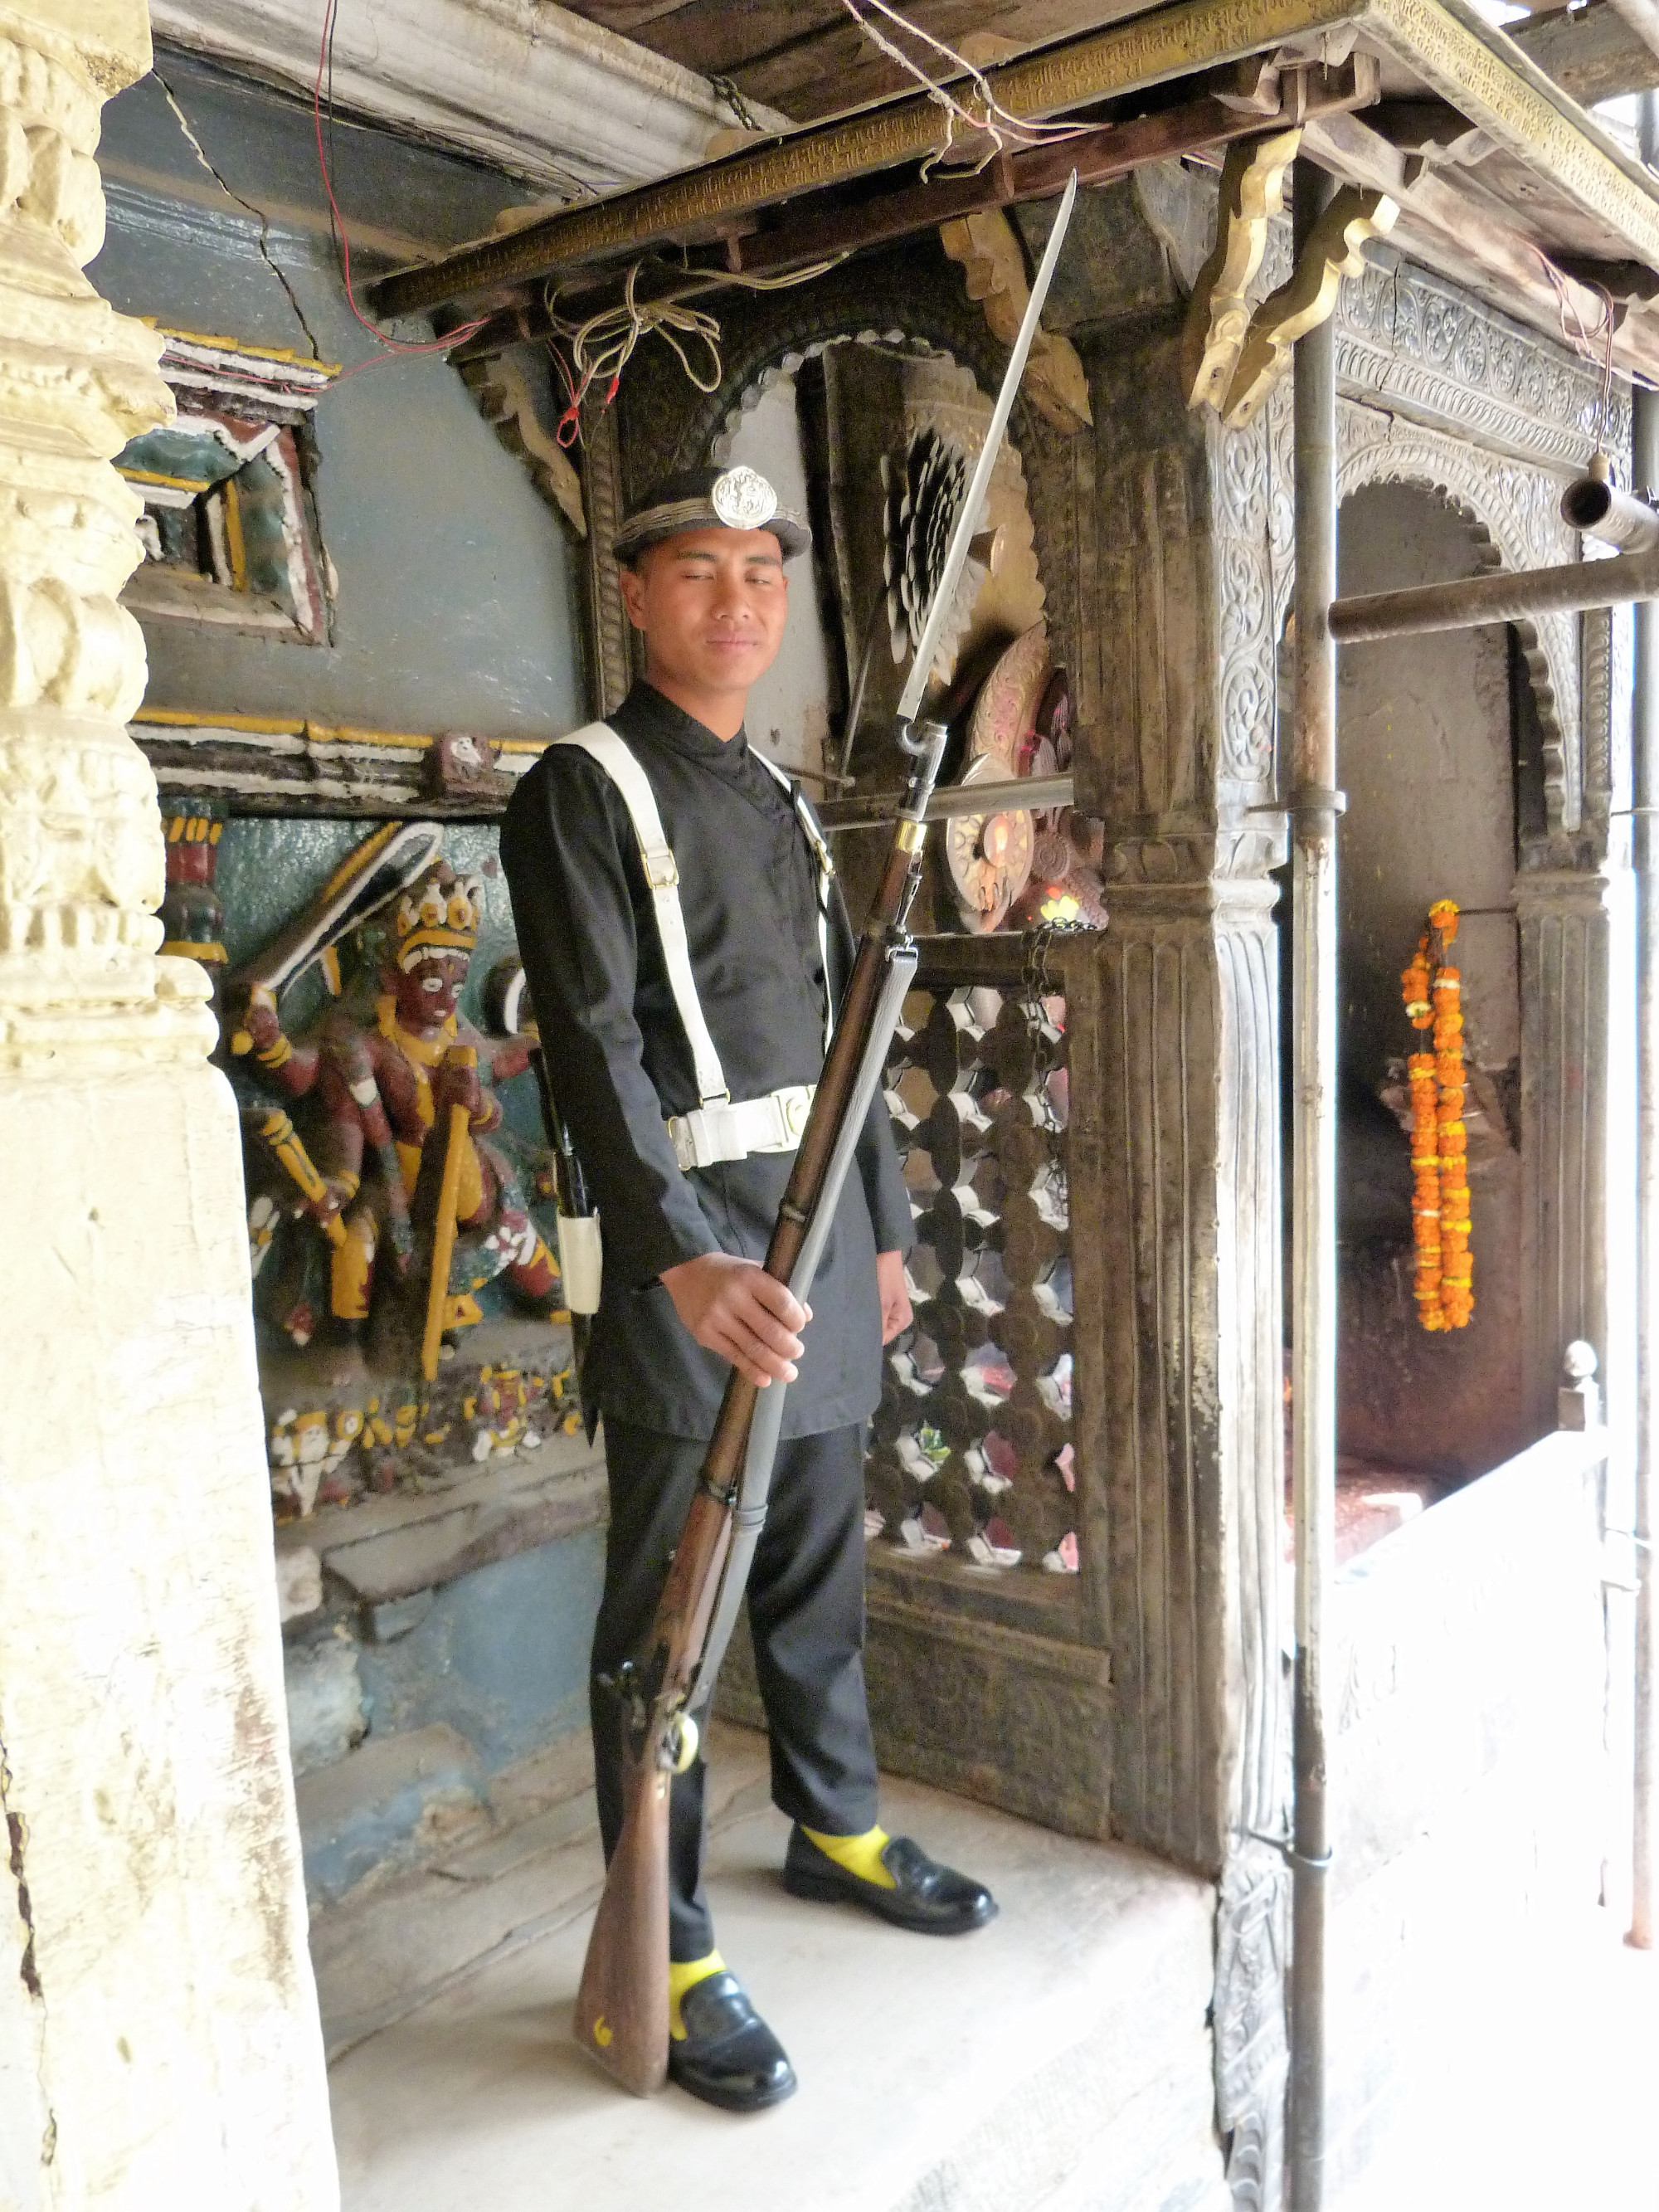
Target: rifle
621	2006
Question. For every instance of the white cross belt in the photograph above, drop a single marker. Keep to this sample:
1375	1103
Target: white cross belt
722	1130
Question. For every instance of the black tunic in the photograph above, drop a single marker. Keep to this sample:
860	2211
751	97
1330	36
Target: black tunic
621	1062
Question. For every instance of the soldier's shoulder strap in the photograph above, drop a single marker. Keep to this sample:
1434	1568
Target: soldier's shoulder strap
617	757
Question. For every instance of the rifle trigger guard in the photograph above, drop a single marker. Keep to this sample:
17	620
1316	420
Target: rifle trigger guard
683	1742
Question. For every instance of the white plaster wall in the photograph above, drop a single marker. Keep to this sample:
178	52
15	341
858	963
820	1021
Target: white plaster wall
173	2058
536	89
788	709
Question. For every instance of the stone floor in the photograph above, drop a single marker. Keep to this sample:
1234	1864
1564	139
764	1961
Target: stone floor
1059	2058
1056	2062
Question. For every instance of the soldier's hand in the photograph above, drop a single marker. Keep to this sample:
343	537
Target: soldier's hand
896	1313
733	1307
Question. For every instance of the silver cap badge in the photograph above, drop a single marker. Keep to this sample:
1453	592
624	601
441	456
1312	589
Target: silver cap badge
743	499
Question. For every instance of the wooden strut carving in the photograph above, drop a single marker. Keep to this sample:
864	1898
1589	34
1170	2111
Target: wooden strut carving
502	390
1335	250
988	248
1218	314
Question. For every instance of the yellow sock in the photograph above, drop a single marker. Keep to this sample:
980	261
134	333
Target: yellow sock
684	1978
857	1855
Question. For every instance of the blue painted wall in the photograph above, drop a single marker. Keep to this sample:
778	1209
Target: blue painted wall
455	607
501	1655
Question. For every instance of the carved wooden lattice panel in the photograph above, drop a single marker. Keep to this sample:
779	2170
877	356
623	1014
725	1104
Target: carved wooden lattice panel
972	1445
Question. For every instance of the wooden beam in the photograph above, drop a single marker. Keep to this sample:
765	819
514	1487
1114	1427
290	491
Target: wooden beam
1041	171
1591	52
1442	225
807	232
811	59
1451	52
1185	41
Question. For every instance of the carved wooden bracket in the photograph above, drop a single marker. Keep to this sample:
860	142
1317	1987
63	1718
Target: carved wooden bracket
1218	314
507	405
988	247
1335	249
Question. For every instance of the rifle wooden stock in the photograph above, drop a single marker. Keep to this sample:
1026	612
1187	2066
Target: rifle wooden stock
622	2007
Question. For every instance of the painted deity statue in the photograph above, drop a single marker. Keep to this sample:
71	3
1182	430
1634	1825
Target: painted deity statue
391	1153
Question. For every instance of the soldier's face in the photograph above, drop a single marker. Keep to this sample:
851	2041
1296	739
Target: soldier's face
712	605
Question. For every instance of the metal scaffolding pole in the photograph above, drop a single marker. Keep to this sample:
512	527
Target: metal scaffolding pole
1645	797
1510	596
1316	804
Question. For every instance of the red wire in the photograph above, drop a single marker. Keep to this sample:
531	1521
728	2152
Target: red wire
393	345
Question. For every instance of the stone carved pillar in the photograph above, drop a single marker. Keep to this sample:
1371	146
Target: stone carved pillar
1184	748
159	2041
1566	924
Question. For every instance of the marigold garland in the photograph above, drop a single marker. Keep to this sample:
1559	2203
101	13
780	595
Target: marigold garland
1432	991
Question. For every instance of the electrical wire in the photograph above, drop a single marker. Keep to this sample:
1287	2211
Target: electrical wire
337	221
603	346
1582	342
726	88
996	121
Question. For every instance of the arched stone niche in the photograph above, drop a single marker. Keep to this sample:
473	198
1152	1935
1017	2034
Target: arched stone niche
1567	876
1517	508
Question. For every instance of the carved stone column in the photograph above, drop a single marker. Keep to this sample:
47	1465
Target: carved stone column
159	2040
1565	918
1190	1085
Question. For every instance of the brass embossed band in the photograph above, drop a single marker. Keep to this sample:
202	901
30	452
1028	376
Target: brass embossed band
1511	100
1171	41
1515	103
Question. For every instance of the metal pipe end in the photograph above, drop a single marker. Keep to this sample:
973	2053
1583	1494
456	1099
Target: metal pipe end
1599	509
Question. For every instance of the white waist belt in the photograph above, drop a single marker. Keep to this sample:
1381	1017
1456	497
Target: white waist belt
722	1131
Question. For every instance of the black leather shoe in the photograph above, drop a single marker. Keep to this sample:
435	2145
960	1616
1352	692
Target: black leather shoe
729	2057
933	1899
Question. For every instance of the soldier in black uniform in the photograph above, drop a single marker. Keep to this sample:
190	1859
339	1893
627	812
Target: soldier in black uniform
643	1033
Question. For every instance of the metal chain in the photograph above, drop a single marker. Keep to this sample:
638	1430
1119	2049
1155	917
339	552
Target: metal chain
726	88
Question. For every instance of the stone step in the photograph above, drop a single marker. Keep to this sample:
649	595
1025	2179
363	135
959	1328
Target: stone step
569	1823
396	1943
1058	2061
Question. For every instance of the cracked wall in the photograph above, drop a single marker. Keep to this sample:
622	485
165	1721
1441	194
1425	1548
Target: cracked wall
454	604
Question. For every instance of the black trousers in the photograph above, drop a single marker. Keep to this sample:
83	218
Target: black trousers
806	1617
